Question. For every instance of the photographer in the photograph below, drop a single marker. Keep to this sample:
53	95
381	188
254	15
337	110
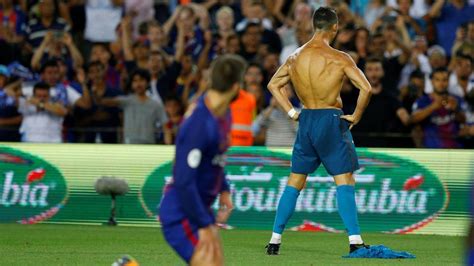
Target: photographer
47	20
57	45
440	113
42	118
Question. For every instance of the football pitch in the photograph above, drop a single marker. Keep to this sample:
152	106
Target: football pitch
47	244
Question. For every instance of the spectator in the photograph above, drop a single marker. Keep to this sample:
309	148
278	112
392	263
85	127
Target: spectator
251	39
101	122
184	20
374	10
255	13
361	45
413	90
413	26
439	113
303	33
449	16
57	46
273	127
344	38
163	76
65	94
175	111
461	81
233	45
47	21
243	111
136	55
464	39
253	75
141	113
157	37
437	59
259	94
302	16
381	114
225	22
102	18
418	60
42	117
141	11
186	84
101	52
253	83
270	63
10	119
13	26
394	51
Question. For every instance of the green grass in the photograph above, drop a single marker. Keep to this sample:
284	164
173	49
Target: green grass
96	245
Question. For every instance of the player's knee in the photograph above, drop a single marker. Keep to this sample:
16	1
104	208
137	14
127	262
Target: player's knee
344	179
297	181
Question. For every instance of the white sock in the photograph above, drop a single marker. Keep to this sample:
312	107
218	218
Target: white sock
355	239
276	238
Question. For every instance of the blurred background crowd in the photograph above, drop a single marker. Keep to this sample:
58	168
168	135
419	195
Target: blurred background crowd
125	71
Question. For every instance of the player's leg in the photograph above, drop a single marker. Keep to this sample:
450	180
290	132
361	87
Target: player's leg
339	157
304	160
182	237
210	253
345	194
287	204
285	209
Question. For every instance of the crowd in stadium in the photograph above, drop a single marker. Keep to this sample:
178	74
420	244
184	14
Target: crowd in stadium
125	71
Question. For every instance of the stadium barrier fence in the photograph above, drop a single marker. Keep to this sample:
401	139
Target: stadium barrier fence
397	191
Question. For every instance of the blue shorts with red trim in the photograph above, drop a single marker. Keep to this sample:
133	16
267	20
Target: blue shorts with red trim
182	237
323	137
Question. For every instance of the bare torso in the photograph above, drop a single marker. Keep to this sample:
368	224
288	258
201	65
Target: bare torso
317	73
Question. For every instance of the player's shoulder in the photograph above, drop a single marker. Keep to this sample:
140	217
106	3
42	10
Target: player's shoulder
293	56
297	52
343	57
196	116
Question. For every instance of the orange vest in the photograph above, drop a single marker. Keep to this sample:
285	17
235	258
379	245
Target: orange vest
243	112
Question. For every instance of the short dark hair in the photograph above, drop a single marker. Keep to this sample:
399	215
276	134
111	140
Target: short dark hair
172	98
417	74
143	73
324	18
49	63
95	64
438	70
227	70
40	86
463	56
254	64
103	45
248	26
374	59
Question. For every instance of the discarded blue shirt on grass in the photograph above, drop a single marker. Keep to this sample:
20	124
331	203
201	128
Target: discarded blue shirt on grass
379	252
